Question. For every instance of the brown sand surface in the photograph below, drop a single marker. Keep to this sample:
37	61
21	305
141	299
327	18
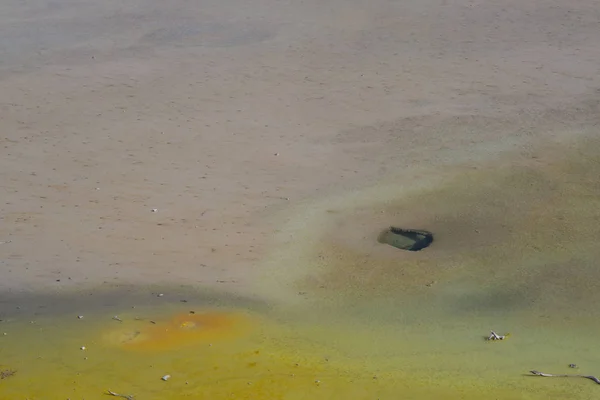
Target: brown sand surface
220	115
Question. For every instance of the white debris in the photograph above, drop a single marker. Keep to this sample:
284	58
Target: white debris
495	336
166	377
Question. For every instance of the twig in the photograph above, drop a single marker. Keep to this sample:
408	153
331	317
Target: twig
125	396
593	378
495	336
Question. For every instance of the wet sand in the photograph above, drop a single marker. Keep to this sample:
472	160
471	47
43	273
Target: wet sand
242	158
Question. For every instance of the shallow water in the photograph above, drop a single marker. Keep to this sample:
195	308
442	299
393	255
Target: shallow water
220	353
348	317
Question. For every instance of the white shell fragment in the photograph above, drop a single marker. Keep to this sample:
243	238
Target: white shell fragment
166	377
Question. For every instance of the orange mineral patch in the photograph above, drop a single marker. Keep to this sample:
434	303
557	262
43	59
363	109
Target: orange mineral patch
181	330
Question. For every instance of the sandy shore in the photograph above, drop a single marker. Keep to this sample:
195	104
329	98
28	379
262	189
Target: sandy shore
154	142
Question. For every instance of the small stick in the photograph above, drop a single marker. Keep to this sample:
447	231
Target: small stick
538	373
495	336
125	396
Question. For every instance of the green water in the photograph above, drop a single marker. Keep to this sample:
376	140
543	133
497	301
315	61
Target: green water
342	316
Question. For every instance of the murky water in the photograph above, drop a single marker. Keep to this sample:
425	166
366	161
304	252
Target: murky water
515	251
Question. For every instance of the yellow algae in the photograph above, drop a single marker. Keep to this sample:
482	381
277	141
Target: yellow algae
279	359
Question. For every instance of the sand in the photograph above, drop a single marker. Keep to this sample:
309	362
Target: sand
215	114
254	149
